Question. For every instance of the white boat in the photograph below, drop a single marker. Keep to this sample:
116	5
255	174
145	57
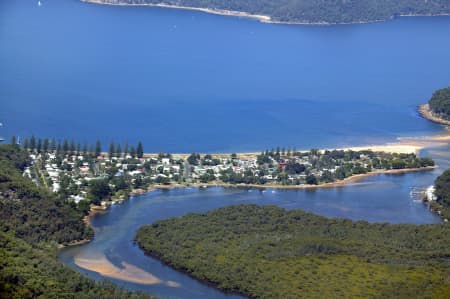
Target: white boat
39	3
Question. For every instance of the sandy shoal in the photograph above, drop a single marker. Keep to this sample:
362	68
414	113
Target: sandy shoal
100	264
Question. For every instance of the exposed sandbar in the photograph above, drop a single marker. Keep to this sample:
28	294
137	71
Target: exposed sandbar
100	264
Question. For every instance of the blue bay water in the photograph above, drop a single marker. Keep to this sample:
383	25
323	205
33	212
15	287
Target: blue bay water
185	81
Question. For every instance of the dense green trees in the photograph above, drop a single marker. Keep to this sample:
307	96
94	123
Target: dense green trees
194	159
139	150
313	11
440	103
268	252
98	148
98	190
443	187
30	272
112	150
32	221
31	212
442	192
66	147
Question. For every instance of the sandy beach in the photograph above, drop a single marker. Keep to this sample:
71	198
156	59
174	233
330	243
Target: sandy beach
126	271
222	12
425	111
404	145
234	13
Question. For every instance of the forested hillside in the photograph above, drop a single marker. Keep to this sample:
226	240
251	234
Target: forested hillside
442	193
32	222
440	103
314	11
268	252
32	213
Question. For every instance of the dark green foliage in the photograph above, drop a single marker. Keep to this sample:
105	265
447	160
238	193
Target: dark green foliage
194	159
133	152
11	153
311	180
440	103
294	168
32	144
118	151
112	150
33	213
139	150
28	272
31	221
442	192
314	11
98	148
268	252
99	190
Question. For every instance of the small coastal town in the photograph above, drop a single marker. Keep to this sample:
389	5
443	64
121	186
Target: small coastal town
91	176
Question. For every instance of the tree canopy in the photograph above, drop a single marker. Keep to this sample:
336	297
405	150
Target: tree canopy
268	252
442	192
32	221
440	103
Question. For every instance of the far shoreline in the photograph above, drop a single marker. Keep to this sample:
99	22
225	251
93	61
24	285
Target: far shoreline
261	18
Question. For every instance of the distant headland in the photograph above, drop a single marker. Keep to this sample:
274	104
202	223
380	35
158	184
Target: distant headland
438	107
301	12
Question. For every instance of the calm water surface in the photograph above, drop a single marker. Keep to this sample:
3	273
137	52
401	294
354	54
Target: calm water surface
185	81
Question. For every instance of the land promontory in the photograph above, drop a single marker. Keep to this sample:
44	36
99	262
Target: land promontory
304	11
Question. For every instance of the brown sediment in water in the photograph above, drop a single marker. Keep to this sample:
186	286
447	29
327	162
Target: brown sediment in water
127	272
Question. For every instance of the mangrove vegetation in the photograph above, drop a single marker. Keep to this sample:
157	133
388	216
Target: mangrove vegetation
268	252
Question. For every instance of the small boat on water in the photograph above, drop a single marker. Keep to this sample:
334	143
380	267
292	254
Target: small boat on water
39	3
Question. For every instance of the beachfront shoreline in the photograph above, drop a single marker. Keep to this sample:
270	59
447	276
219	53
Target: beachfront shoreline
241	14
404	145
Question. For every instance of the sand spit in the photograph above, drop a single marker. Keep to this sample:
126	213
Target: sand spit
126	272
426	112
